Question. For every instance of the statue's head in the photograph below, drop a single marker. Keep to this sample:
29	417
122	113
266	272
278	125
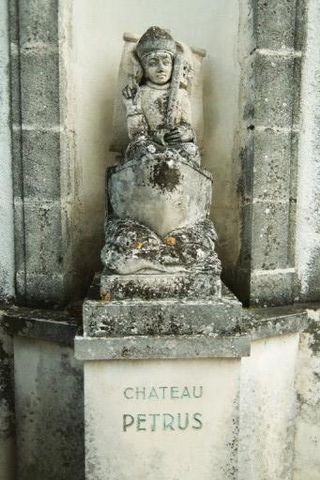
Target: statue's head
156	50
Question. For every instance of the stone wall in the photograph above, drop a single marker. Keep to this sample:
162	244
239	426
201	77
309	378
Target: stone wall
261	87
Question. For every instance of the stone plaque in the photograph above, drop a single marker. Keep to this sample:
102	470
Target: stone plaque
162	419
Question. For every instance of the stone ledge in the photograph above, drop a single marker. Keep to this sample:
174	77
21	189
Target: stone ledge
62	327
262	323
55	326
161	347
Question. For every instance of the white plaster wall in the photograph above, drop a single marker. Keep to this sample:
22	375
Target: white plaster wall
49	411
268	409
308	205
96	46
307	441
6	199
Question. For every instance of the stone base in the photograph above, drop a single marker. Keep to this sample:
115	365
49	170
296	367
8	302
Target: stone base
171	316
161	286
162	379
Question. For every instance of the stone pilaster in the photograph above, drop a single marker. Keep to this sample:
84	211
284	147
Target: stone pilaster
270	128
7	289
42	158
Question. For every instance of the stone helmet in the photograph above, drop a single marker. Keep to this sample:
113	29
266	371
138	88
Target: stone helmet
155	38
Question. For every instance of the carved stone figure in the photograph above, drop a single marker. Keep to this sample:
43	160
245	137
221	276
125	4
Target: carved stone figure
158	196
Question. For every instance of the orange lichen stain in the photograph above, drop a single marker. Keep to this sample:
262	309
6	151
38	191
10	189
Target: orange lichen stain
137	245
106	297
170	240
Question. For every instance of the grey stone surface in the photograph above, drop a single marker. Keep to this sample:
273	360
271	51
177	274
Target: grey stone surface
46	181
147	287
43	289
17	166
62	326
40	88
43	233
274	90
268	235
7	289
275	23
54	326
15	83
7	414
271	72
154	347
273	288
162	317
49	411
41	164
262	323
19	238
272	166
38	22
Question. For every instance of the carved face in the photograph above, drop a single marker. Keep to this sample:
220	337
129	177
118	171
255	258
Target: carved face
158	67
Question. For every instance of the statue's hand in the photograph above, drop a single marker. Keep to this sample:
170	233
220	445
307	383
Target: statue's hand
181	133
130	95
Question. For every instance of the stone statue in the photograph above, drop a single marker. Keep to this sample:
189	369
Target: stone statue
158	108
158	230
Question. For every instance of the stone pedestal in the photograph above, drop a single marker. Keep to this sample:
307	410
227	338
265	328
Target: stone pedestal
162	382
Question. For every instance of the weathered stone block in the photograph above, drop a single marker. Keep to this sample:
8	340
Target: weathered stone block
40	89
274	90
43	237
162	317
272	288
275	23
40	289
41	164
272	166
45	289
147	287
270	224
38	22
